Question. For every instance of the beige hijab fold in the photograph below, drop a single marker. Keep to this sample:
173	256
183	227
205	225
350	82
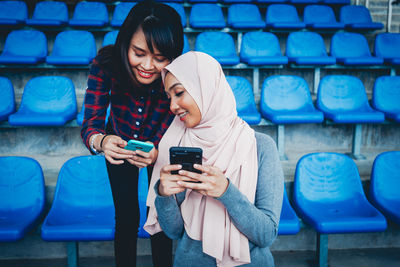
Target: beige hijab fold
227	142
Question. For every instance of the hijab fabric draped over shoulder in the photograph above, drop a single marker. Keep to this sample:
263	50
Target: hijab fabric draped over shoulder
227	142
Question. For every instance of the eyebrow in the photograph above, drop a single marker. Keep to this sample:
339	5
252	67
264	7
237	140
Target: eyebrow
138	48
174	85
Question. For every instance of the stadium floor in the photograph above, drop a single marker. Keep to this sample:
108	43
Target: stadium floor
388	257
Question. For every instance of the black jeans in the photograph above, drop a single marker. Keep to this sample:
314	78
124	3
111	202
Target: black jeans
124	187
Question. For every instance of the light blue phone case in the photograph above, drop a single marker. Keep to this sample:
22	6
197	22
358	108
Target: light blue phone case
138	145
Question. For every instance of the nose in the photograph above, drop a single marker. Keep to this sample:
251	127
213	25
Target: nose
173	106
147	63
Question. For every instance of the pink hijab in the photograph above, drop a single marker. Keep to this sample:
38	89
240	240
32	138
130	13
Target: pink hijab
227	142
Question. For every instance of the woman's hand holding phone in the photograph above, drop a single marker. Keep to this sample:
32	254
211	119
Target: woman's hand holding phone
213	182
169	182
113	148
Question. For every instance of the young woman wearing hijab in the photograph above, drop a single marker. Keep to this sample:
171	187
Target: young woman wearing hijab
231	217
127	77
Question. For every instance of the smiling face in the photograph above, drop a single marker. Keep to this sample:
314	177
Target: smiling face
146	66
182	103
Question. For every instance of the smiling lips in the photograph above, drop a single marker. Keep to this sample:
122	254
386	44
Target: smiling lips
182	115
145	74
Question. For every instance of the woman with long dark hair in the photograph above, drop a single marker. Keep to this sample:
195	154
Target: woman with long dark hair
127	78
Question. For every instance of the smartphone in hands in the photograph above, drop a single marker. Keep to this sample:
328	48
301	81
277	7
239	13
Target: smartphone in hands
139	145
186	156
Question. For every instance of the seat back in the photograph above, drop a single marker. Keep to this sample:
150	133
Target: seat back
90	14
216	44
318	14
110	38
385	176
282	13
7	99
327	178
285	92
305	44
83	186
121	11
243	92
346	44
386	94
26	43
22	194
354	14
243	13
260	44
49	95
206	16
341	93
74	44
51	11
387	45
13	12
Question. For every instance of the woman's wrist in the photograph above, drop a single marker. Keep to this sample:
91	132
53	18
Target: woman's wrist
95	143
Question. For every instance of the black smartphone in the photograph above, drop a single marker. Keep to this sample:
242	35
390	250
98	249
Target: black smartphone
186	156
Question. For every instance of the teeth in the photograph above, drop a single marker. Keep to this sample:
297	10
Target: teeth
145	74
182	114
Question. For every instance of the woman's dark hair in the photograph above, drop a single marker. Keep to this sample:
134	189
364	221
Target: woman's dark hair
162	27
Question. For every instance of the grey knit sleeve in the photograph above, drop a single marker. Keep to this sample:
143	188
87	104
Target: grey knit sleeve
259	221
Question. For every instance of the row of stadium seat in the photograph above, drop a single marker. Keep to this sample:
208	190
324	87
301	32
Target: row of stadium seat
327	195
285	99
257	48
203	15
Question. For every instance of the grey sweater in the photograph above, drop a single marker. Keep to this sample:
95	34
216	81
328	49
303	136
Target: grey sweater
258	221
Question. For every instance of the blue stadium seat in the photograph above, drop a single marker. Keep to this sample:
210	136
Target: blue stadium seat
219	45
24	47
47	100
385	184
22	196
120	13
286	99
307	48
358	18
261	48
181	11
110	38
236	1
336	2
73	48
7	99
386	96
387	47
203	1
143	190
270	1
206	16
245	104
329	196
289	223
82	209
307	2
319	17
13	13
342	99
352	49
49	13
282	16
91	14
245	16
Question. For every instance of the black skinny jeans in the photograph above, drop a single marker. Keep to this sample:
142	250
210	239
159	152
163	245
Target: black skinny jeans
124	187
